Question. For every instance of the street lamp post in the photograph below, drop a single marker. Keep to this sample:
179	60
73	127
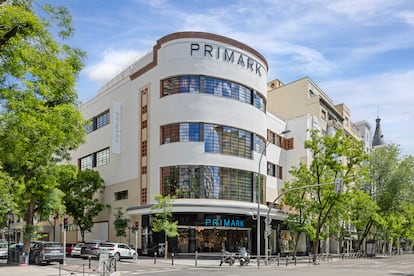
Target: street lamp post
258	204
9	217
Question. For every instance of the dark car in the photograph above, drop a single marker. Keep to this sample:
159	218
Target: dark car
43	252
90	249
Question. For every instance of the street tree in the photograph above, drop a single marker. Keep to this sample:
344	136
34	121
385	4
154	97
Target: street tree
81	196
120	223
40	122
162	218
333	156
363	215
6	197
300	221
391	185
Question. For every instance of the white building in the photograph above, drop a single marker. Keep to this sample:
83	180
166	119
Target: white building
188	119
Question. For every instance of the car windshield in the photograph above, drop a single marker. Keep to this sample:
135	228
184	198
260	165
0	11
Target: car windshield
107	245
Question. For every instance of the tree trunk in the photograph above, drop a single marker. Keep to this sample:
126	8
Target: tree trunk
315	248
28	229
166	247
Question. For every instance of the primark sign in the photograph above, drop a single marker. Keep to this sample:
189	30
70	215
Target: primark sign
225	222
228	55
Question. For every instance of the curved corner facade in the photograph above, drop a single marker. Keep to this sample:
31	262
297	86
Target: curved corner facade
187	120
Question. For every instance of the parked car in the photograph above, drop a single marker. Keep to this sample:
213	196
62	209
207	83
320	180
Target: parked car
3	249
43	252
118	251
69	248
76	250
90	249
156	248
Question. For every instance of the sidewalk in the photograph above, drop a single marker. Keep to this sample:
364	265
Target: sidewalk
178	263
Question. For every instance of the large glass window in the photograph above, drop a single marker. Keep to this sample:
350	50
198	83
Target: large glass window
207	182
102	120
97	122
217	138
86	162
95	159
210	85
227	140
102	157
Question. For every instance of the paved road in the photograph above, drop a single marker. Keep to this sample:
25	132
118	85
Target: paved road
381	266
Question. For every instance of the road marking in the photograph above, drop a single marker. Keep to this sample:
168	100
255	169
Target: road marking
154	270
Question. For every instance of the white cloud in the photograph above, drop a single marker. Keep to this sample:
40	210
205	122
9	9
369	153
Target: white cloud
388	96
112	63
407	17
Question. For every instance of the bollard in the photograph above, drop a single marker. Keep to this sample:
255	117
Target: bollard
287	260
278	259
60	268
115	263
310	258
295	259
83	269
196	257
172	258
155	257
89	258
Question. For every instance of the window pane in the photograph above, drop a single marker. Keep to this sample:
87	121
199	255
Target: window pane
194	84
184	84
89	127
218	87
235	91
226	89
102	157
102	120
184	130
194	129
86	162
209	85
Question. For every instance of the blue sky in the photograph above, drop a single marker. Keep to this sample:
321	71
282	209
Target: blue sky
360	52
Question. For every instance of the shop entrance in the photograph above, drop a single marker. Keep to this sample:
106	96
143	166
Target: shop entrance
212	239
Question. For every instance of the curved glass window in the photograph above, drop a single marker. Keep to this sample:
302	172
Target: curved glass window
217	138
214	86
207	182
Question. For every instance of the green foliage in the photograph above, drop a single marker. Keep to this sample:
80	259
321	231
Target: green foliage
316	209
120	223
162	219
6	197
392	188
41	122
81	189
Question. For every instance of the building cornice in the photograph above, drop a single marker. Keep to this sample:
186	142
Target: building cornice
200	35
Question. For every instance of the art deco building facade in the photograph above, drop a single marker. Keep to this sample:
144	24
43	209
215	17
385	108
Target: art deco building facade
188	120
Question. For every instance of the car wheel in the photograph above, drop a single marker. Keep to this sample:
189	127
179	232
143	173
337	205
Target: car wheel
37	260
117	257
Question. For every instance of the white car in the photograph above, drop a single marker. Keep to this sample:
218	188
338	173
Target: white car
3	249
118	251
76	250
